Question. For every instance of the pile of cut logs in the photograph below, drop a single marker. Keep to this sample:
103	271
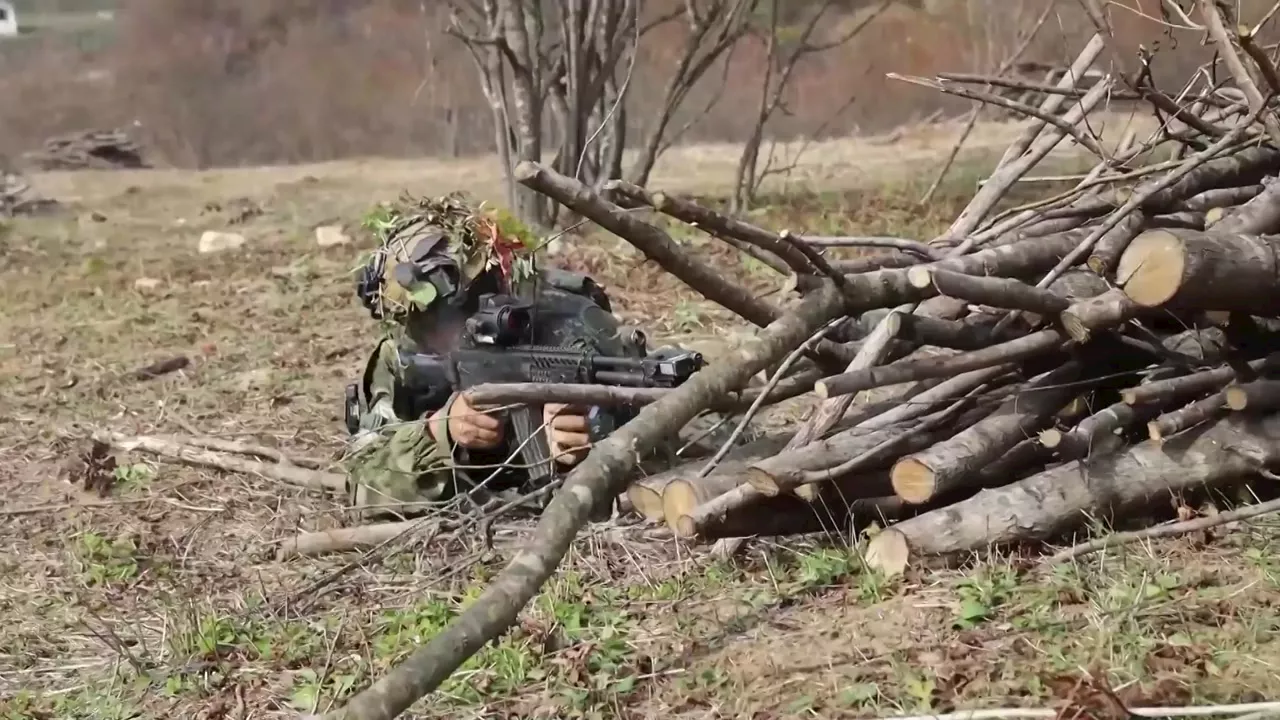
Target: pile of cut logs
88	150
1099	355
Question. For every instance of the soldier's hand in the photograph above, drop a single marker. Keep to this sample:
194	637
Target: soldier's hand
566	434
470	427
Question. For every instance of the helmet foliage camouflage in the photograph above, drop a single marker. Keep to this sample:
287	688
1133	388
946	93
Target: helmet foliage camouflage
430	250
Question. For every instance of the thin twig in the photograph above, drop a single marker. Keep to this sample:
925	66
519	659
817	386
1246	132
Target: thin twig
778	374
1162	531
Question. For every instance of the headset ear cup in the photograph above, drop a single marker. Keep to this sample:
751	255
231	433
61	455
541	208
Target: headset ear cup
369	285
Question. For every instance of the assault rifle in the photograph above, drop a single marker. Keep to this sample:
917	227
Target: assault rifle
498	347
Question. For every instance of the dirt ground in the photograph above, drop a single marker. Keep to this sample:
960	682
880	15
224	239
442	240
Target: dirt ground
160	595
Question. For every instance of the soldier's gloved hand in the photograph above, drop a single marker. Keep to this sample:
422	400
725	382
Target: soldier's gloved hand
468	425
566	433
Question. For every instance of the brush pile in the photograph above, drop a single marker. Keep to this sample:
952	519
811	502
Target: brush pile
17	198
88	150
1083	357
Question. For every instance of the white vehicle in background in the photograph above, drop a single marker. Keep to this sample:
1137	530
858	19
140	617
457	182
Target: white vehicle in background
8	19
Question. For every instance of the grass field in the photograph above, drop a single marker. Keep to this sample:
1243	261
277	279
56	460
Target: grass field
163	597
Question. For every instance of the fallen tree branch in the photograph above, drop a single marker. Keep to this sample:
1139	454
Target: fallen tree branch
301	477
909	371
1060	498
951	464
782	256
1202	410
238	447
350	538
1210	270
650	240
997	292
1163	531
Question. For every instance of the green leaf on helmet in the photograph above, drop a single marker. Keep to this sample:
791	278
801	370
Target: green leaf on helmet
422	297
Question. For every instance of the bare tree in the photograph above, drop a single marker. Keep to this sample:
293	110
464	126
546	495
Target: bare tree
715	27
556	74
785	49
539	60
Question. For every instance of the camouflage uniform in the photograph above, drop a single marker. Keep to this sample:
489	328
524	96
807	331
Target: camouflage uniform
392	458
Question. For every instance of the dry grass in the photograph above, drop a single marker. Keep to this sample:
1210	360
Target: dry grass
163	598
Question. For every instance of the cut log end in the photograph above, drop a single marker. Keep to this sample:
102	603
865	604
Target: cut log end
1075	328
646	501
526	170
913	481
820	389
1155	431
809	492
1237	398
684	527
679	499
1051	438
1151	269
920	276
764	482
889	552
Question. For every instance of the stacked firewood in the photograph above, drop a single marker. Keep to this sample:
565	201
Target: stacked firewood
1037	368
88	150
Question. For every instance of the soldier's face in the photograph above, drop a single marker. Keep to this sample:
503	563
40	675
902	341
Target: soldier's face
440	331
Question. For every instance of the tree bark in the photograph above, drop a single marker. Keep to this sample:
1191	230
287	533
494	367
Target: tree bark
951	464
1098	433
1259	215
1203	271
972	333
617	396
1104	311
684	488
288	474
1079	284
1061	498
911	370
1106	252
780	255
1184	418
789	515
650	240
1163	392
1222	198
874	445
1259	396
1005	293
350	538
874	347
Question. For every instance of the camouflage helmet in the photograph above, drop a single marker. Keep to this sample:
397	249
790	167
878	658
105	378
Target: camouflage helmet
431	250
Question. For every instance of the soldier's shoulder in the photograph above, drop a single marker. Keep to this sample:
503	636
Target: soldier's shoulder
575	283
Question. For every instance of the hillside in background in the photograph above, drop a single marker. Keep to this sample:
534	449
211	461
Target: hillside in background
246	82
